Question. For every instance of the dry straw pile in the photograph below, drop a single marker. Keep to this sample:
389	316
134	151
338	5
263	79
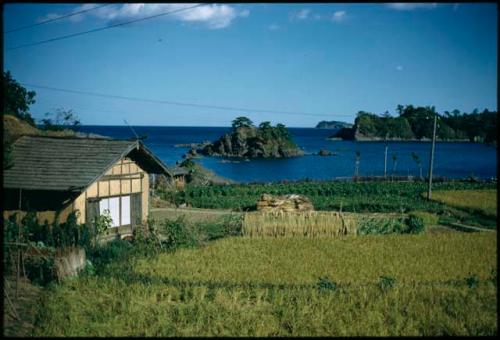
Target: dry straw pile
285	203
293	223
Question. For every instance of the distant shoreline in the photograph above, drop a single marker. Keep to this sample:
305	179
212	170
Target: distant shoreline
402	140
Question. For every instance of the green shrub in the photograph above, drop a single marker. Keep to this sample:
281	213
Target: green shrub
415	224
176	233
381	226
226	226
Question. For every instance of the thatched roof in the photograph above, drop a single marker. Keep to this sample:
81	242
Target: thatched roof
71	164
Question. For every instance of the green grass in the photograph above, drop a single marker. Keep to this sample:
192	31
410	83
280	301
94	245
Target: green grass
267	287
484	201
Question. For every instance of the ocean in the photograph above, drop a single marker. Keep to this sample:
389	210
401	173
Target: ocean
452	159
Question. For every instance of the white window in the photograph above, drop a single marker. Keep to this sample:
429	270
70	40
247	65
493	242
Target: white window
115	205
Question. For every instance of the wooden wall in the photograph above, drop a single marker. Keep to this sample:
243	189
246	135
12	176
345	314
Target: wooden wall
124	177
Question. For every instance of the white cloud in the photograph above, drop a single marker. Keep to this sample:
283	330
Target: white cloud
303	14
411	6
399	68
214	16
317	17
338	16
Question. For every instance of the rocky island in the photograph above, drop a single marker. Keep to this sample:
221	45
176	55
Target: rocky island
416	124
248	141
333	124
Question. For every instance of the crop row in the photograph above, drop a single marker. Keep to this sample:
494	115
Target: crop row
357	197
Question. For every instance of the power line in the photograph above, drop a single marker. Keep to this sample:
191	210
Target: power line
55	19
167	102
102	28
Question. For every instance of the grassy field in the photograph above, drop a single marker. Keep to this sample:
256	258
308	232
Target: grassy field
271	287
484	201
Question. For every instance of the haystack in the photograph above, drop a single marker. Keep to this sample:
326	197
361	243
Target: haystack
284	203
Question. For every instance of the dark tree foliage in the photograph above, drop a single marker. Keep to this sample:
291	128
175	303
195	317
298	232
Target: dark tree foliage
417	122
240	122
60	120
17	99
7	155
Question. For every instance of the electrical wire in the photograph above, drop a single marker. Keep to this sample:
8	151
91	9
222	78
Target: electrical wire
102	28
55	19
167	102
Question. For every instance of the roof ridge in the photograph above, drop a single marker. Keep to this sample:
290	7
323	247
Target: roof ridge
108	139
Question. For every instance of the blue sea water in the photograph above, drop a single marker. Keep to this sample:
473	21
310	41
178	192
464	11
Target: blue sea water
452	159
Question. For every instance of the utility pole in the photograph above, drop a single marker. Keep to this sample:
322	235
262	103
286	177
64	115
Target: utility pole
431	162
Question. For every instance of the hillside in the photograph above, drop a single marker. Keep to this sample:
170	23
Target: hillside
332	124
14	128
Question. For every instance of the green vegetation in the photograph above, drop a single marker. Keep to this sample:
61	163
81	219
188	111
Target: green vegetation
345	196
17	99
416	123
246	140
370	285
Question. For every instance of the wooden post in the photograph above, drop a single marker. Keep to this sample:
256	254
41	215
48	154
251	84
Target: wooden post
431	162
18	269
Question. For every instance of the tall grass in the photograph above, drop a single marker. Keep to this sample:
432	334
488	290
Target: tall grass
269	287
484	201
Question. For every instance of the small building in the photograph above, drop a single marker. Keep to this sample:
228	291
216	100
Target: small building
54	176
179	176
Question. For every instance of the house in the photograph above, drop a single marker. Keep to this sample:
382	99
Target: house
54	176
179	176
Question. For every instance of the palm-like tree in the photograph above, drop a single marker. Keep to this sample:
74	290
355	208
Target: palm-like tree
358	156
394	162
417	160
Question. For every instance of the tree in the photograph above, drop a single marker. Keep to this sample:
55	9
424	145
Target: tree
416	158
241	122
61	120
394	162
265	130
356	169
17	99
282	131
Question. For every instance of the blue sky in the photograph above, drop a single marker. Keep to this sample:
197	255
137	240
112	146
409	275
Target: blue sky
328	61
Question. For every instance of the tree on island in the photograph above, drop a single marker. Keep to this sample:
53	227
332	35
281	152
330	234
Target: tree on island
241	122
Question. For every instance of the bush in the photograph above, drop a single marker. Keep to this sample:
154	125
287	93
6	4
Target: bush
381	226
227	226
176	233
415	224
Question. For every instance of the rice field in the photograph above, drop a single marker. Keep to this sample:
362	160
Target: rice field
435	284
484	201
